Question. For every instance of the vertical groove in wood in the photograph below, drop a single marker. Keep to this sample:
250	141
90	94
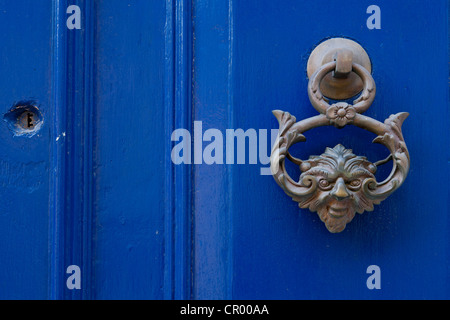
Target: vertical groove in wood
88	147
178	114
169	125
230	116
72	182
183	107
57	179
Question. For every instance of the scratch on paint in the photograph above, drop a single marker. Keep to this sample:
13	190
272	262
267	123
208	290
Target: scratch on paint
59	137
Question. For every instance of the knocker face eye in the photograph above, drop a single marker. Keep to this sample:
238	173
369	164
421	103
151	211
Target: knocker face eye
354	184
324	184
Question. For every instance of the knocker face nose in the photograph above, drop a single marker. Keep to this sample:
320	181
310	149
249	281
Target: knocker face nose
340	191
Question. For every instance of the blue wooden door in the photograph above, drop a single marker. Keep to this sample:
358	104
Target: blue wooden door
99	202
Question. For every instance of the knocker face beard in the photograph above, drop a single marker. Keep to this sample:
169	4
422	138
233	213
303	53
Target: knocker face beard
336	213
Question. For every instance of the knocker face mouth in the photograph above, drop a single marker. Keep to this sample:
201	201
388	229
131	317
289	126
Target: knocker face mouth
338	208
336	213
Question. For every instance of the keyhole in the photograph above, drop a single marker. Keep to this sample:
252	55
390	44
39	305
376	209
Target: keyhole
27	120
24	118
30	120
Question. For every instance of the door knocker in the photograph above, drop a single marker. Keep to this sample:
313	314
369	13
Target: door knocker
338	183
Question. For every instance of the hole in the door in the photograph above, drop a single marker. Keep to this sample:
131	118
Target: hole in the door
24	119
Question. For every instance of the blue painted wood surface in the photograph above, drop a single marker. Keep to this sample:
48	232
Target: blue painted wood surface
95	187
129	142
252	241
26	63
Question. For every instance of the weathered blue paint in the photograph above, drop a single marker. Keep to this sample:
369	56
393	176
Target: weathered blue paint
95	187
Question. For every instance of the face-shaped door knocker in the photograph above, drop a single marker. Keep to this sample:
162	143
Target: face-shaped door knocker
338	183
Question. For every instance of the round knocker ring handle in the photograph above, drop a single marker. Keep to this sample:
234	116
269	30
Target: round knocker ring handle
360	105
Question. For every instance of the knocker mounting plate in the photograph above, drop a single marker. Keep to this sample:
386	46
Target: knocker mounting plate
338	183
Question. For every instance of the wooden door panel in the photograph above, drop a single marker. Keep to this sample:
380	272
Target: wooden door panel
268	247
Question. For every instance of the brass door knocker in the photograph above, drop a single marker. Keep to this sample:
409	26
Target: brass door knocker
338	183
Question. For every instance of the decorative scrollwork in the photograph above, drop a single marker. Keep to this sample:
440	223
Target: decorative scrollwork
338	183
